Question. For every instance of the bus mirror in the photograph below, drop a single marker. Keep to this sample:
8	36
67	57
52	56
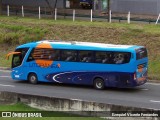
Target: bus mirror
11	53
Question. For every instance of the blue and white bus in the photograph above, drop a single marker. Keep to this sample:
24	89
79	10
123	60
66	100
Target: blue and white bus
84	63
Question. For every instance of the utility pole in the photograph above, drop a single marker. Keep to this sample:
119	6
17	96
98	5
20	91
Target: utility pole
0	7
108	10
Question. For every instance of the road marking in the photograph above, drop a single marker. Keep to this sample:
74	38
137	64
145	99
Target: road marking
5	70
153	83
145	89
154	101
7	85
5	76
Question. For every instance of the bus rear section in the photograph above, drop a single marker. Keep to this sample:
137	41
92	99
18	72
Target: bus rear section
140	75
140	69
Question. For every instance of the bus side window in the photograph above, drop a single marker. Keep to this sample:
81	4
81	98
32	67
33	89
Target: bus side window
127	57
121	58
68	55
118	58
30	57
107	58
40	54
55	55
103	57
100	56
86	56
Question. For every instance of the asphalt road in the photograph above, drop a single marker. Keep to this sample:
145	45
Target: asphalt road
145	96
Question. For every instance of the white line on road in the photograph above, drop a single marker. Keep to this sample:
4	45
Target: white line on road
153	83
5	76
7	85
5	70
145	89
154	101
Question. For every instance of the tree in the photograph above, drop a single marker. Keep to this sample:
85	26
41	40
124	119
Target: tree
48	4
108	9
0	7
50	7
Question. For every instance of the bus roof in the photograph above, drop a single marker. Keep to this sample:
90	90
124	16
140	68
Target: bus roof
82	45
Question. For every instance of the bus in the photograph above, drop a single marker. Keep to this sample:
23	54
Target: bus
82	63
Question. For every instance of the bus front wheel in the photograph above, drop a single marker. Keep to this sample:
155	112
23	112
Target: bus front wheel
99	84
32	78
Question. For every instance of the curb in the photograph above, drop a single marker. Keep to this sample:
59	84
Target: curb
79	107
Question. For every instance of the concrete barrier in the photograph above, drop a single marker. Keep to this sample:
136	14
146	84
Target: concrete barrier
76	106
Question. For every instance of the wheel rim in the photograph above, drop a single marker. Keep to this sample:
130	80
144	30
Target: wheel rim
99	84
32	78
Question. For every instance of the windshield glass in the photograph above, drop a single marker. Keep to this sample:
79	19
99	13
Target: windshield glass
18	58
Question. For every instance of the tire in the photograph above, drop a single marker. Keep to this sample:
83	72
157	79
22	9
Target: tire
99	84
32	78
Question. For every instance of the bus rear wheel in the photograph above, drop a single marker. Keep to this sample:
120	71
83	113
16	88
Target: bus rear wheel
99	84
32	78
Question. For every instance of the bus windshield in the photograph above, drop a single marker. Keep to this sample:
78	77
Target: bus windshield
18	58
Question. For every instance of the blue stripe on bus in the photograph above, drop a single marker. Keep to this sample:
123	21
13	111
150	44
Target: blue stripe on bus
112	79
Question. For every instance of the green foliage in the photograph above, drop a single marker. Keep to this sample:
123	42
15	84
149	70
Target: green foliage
16	107
15	34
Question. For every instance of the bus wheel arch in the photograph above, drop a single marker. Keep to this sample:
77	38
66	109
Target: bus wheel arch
32	78
99	83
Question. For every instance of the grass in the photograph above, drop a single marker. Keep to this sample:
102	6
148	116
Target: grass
17	30
22	108
17	107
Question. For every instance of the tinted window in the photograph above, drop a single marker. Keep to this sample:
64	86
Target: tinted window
41	54
80	56
103	57
68	55
55	55
30	57
141	53
112	57
121	57
86	56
